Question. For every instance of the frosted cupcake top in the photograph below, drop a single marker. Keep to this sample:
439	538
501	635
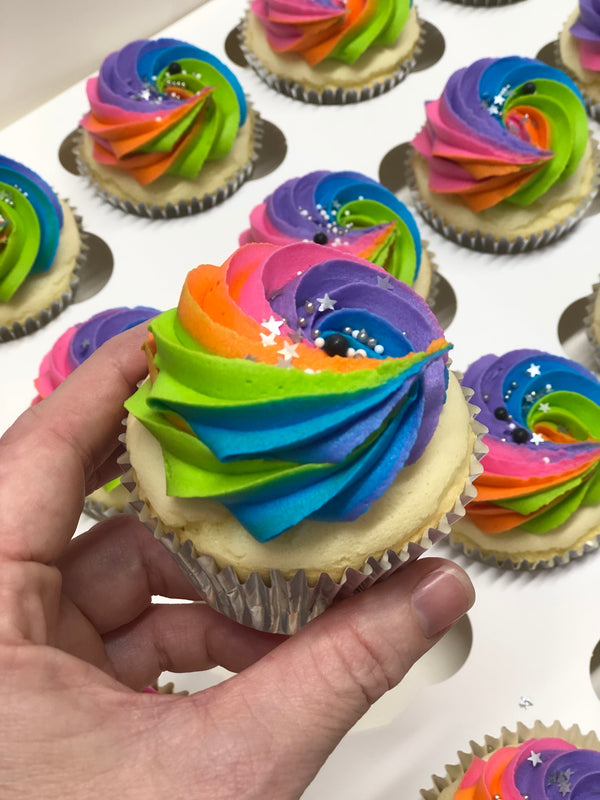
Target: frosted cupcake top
539	769
330	29
163	107
504	129
346	210
292	383
543	416
586	31
31	218
78	343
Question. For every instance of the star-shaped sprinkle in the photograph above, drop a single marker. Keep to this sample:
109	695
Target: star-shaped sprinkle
533	370
267	339
525	702
544	407
535	758
288	351
284	363
248	357
272	325
326	303
536	438
384	282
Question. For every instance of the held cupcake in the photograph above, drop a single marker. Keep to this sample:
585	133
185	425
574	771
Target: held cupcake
168	132
538	499
300	435
505	161
70	350
40	251
541	762
348	211
331	51
579	49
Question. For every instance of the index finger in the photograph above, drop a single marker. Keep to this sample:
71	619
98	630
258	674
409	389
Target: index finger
49	457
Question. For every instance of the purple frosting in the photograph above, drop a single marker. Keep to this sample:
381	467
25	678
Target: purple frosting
103	326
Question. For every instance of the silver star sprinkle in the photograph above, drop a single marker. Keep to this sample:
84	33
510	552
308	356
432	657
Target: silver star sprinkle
267	339
272	325
544	407
525	702
384	282
535	758
326	303
533	370
536	438
288	351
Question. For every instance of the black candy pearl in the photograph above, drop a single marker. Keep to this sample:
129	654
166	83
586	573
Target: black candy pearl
174	68
528	88
520	435
320	237
501	413
336	345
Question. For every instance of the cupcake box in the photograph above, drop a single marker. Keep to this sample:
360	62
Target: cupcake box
524	652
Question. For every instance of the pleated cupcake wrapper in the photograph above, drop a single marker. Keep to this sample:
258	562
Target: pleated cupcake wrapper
328	95
285	605
593	302
33	323
100	511
523	564
186	206
507	738
488	243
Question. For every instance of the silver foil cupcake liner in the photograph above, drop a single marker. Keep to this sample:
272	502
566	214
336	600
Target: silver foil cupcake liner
327	96
524	564
591	321
507	738
99	511
488	243
32	324
186	206
285	605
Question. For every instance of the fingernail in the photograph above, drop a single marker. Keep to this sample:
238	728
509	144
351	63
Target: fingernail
441	598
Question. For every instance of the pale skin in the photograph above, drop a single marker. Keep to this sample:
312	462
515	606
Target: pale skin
80	635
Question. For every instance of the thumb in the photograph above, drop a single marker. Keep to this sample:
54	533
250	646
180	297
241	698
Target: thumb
308	692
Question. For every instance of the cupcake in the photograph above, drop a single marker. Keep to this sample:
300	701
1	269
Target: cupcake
538	762
538	499
505	161
350	212
72	348
301	434
41	250
592	320
579	50
168	132
329	51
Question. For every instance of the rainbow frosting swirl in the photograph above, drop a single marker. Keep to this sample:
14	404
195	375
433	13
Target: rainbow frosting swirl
163	107
339	29
547	768
586	31
78	343
543	416
31	218
504	129
346	210
292	383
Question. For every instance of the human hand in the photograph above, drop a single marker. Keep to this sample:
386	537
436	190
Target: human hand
80	636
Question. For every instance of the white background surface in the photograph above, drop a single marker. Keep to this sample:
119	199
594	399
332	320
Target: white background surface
532	634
